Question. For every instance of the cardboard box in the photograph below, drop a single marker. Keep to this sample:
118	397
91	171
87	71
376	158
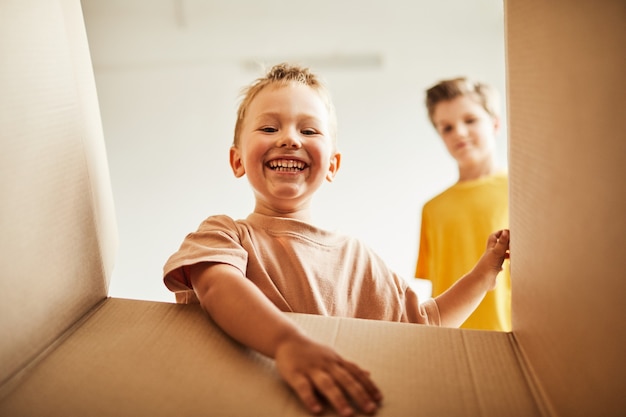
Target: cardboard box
67	349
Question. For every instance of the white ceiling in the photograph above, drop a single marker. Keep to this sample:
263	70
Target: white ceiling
324	33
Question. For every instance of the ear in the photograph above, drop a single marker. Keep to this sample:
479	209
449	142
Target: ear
335	162
496	124
235	162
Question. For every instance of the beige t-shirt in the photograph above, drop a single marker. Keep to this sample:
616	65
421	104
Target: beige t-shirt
300	268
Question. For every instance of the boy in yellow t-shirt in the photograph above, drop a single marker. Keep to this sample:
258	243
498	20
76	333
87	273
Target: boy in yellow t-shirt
456	222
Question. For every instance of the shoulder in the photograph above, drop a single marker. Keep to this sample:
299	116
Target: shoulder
224	225
496	183
364	252
441	198
501	178
218	222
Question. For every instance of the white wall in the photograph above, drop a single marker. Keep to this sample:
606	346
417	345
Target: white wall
169	72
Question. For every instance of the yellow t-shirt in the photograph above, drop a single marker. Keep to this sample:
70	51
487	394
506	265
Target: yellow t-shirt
453	236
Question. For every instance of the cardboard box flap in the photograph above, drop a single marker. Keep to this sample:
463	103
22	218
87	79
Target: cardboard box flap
133	358
566	66
56	215
439	371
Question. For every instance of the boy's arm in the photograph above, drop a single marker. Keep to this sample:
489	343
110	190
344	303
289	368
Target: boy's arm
461	299
246	314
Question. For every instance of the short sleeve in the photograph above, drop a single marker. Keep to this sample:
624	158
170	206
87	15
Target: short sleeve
217	240
426	312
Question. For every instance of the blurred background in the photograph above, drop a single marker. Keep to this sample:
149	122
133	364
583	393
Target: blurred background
169	74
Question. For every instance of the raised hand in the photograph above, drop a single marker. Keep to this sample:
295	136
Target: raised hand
496	252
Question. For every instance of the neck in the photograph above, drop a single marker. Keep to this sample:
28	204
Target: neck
302	214
474	172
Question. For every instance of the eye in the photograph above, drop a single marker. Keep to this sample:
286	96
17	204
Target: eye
308	132
470	120
268	129
446	129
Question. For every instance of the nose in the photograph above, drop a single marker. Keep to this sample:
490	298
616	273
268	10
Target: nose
460	130
289	139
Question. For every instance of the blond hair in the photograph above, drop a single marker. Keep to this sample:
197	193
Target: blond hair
445	90
282	75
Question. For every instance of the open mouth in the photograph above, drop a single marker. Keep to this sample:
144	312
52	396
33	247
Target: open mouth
286	165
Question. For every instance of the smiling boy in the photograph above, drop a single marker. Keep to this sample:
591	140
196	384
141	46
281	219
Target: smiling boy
456	222
280	121
246	272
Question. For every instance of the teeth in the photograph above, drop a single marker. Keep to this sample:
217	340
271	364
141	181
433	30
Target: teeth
286	164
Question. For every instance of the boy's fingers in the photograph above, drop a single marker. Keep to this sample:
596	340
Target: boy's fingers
327	376
500	237
502	245
503	239
327	387
492	240
358	391
363	377
304	390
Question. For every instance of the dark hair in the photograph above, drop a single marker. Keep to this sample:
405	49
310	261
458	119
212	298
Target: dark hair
446	90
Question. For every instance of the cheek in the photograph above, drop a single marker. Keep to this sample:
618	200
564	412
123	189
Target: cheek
483	133
253	155
448	140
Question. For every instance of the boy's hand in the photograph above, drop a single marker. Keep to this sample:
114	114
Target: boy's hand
311	368
459	301
495	254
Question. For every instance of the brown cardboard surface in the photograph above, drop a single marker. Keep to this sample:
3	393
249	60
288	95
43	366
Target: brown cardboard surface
566	65
132	358
66	349
57	236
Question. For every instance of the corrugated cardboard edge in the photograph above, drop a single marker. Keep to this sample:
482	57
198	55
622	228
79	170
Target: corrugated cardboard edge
10	383
96	161
541	398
